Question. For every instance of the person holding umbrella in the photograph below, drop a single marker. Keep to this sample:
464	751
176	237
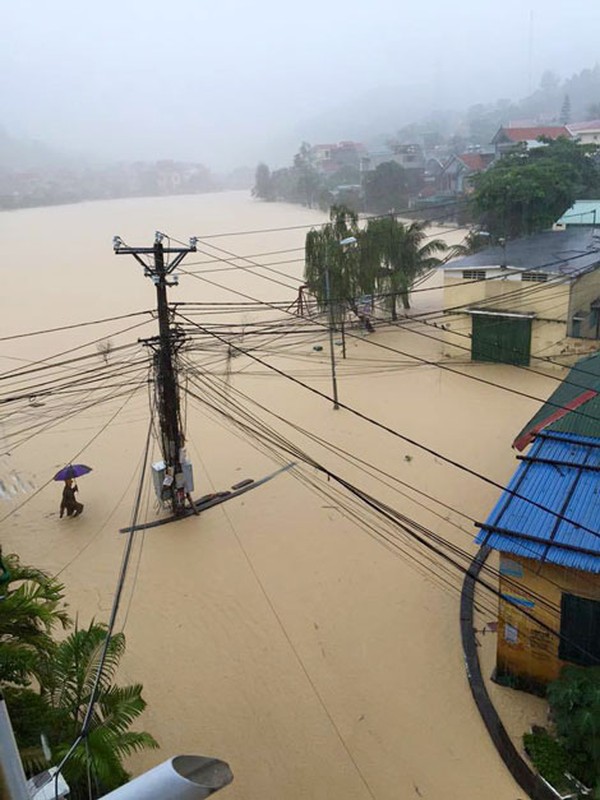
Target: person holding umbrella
69	502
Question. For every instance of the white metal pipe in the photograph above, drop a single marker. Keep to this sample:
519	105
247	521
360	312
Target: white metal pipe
10	760
178	778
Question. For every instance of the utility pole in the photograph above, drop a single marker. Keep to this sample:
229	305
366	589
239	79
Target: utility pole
331	323
165	348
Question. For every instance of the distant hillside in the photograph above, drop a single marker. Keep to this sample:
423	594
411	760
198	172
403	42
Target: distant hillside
411	112
23	154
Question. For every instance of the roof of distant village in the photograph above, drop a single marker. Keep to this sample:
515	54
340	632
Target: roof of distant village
531	134
476	161
580	127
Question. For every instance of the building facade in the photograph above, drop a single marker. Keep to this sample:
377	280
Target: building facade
530	296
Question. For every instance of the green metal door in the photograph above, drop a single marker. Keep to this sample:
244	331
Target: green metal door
506	340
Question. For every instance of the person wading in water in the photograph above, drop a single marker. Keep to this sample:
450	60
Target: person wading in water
68	502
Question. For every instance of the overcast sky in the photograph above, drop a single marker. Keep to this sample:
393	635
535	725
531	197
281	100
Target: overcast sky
227	82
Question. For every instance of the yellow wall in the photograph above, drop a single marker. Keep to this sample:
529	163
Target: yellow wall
585	290
548	301
525	648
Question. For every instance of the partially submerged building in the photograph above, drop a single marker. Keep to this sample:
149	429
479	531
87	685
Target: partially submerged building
546	527
537	294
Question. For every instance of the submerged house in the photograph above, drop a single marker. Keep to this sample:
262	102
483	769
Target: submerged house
536	294
546	527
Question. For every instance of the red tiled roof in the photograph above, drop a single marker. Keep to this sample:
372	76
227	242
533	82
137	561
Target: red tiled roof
476	162
530	134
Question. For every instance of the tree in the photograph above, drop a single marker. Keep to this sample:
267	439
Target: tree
325	258
48	685
565	111
527	191
66	687
263	188
399	254
386	188
308	180
283	184
31	609
575	704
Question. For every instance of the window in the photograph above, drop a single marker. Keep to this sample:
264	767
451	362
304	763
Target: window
473	274
511	634
537	277
579	630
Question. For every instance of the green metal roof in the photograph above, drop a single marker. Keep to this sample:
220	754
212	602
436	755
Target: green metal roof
582	212
573	408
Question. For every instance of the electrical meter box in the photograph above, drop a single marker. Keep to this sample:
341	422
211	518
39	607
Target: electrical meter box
162	482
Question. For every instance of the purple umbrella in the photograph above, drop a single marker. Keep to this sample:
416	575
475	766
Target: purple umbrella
72	471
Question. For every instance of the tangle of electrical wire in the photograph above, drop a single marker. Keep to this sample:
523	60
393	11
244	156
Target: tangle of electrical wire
424	536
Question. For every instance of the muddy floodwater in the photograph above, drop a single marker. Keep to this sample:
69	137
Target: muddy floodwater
293	632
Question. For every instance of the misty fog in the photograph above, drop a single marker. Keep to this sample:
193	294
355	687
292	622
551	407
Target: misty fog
230	83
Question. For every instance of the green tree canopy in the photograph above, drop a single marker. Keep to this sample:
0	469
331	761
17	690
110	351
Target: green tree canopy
386	188
48	685
263	188
399	254
527	191
67	686
308	181
31	609
332	272
387	259
575	703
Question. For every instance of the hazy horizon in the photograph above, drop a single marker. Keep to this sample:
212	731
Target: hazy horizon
232	84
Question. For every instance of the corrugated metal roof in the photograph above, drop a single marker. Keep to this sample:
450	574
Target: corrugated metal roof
566	252
574	407
561	473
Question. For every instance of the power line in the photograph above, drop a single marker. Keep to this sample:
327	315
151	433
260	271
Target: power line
403	437
71	327
112	620
265	434
223	400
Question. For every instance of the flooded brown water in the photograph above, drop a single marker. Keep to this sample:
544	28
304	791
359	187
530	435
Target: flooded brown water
278	631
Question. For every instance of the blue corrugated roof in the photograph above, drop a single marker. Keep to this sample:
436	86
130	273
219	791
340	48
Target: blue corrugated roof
561	473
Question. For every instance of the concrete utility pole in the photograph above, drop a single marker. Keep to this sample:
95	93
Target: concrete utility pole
165	348
331	325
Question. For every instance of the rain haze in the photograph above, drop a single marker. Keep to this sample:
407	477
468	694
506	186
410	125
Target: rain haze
230	83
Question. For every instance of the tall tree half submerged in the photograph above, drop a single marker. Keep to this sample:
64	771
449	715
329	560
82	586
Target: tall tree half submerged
400	254
387	259
263	187
327	262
